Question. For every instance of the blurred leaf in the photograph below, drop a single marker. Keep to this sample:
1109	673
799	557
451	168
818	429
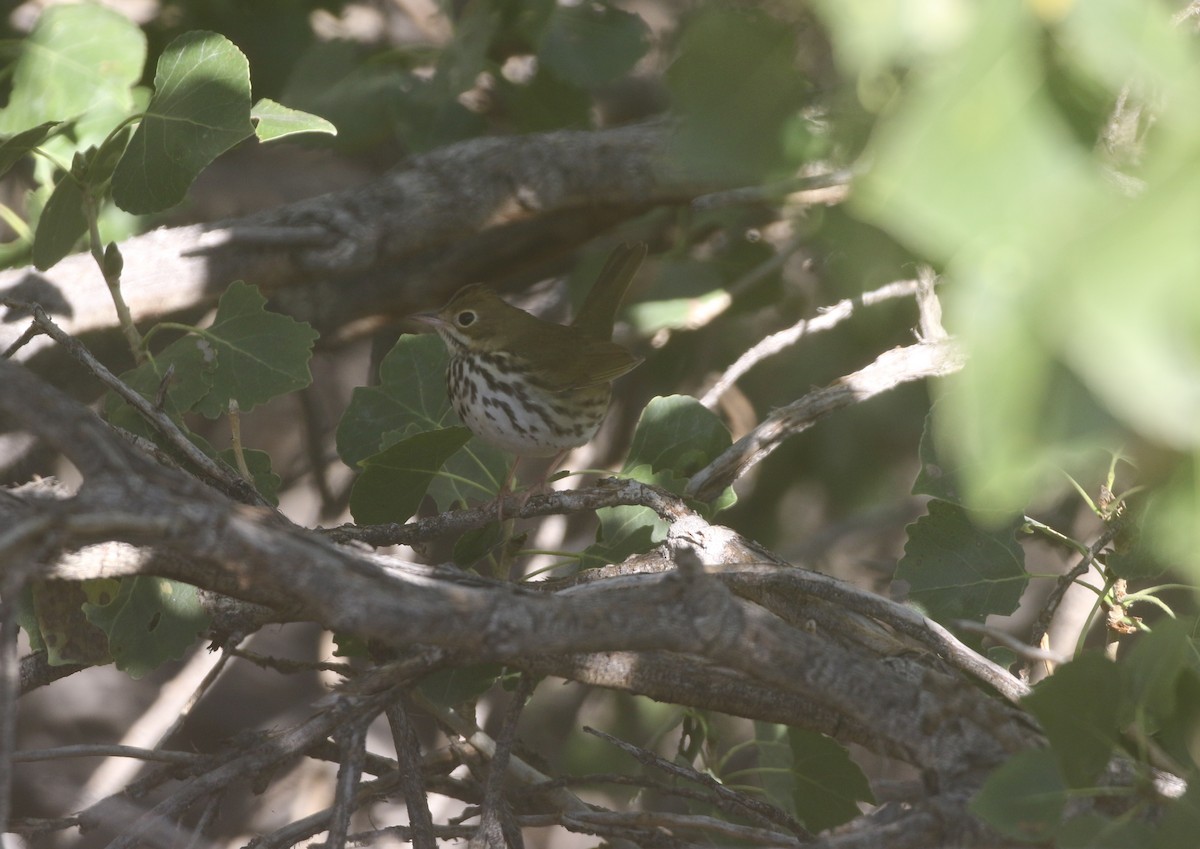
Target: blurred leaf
14	148
78	57
1024	797
589	44
736	86
1181	823
828	784
1080	707
150	621
61	225
200	109
871	35
260	354
1092	831
686	289
474	545
275	121
394	481
957	570
1152	668
545	103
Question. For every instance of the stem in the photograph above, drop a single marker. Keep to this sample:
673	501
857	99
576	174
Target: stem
235	439
112	280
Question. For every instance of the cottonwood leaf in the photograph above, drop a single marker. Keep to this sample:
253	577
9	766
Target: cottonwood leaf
273	121
259	354
150	621
958	570
200	109
394	481
78	58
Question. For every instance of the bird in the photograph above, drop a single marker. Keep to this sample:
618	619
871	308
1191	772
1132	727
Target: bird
528	386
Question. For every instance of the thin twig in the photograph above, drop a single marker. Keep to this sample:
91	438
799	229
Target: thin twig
352	740
90	750
829	318
889	370
773	191
1042	624
756	807
493	831
408	756
217	473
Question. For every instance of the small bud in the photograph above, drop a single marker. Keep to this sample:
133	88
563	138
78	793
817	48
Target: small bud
114	263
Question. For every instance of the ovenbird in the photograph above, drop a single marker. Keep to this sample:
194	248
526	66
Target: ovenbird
529	386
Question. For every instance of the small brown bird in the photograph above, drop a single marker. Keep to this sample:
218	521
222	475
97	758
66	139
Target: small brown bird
528	386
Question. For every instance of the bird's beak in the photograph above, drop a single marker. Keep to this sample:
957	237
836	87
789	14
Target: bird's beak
431	318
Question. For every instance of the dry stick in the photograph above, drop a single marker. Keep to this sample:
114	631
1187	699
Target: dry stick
352	741
1042	623
156	724
890	369
93	750
495	828
761	809
829	318
227	480
408	757
19	548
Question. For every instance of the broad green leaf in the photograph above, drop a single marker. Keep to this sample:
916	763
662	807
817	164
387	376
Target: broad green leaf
589	44
102	161
1181	822
64	630
259	463
1080	708
957	570
14	148
871	35
275	121
677	433
61	225
1151	671
452	687
545	103
394	481
200	109
827	784
78	58
411	396
260	354
190	361
1023	798
150	621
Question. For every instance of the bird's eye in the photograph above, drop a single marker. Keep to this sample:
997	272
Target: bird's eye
465	318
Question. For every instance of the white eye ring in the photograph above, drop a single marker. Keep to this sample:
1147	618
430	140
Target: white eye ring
465	318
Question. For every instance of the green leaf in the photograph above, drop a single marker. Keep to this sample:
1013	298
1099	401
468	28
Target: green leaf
1181	823
452	687
262	476
1152	668
14	148
103	160
629	530
260	354
61	225
200	109
589	44
1024	798
394	481
957	570
150	621
64	630
827	784
411	398
736	86
1092	831
275	121
677	433
78	58
1080	707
